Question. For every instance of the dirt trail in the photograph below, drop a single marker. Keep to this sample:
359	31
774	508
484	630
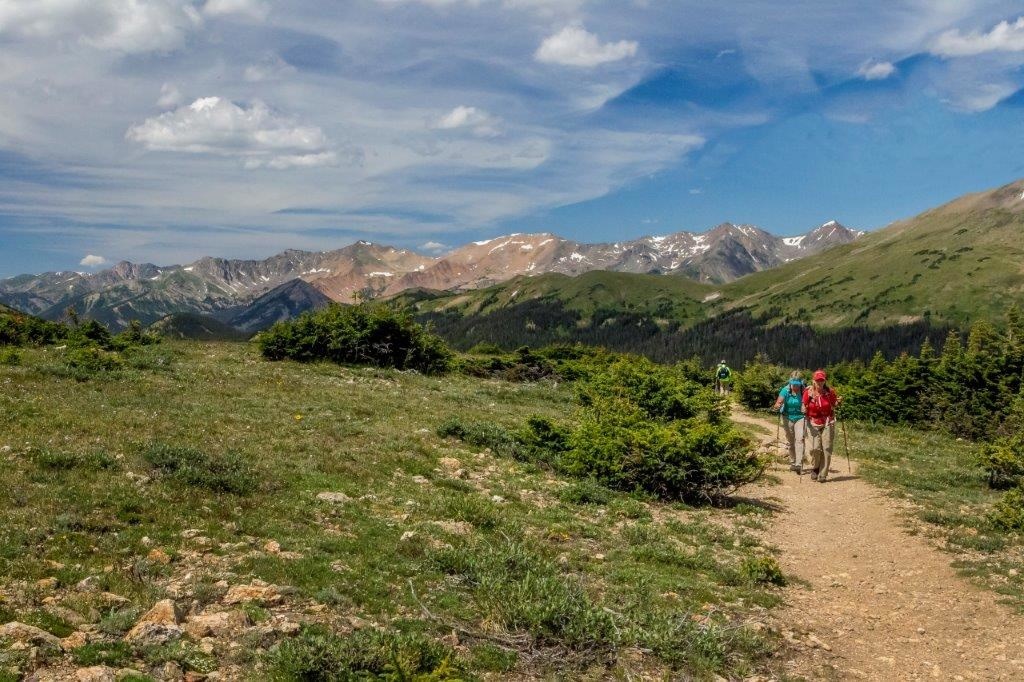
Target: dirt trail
878	603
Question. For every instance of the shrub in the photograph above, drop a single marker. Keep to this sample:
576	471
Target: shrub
1008	512
58	460
693	460
228	473
762	571
371	334
758	384
88	361
587	491
540	441
1004	462
660	392
9	357
317	654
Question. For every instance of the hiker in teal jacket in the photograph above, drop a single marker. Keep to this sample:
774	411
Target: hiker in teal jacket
789	405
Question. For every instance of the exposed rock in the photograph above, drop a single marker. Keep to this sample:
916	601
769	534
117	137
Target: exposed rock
76	640
272	547
158	556
28	634
407	536
97	673
261	594
214	624
170	672
69	616
47	583
158	626
111	599
333	498
89	584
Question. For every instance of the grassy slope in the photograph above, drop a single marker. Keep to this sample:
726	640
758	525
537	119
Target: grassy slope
947	486
956	263
656	295
70	491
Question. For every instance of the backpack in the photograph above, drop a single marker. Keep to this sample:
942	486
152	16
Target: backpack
724	372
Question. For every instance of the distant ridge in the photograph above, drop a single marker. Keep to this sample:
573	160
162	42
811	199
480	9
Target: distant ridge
226	288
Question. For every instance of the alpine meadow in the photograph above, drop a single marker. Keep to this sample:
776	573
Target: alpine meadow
444	341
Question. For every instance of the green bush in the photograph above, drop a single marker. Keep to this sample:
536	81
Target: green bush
9	357
694	460
371	334
318	655
88	361
757	386
522	366
17	329
587	491
1004	462
540	441
1008	512
228	473
762	571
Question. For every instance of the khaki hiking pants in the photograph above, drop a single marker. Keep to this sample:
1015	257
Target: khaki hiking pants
822	439
795	439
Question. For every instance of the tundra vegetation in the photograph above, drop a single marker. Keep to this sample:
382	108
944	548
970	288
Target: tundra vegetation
195	507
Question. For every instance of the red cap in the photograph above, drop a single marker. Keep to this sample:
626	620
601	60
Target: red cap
820	375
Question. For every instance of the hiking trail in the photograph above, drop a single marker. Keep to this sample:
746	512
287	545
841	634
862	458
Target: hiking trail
867	600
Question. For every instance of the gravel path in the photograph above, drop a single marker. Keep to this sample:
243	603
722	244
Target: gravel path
870	601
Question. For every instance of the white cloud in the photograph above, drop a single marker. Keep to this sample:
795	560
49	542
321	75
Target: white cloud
92	261
575	46
126	25
213	125
480	122
876	71
434	247
1004	37
170	96
253	9
270	67
982	97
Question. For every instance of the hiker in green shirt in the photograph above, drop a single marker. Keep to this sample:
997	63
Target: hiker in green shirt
723	375
789	405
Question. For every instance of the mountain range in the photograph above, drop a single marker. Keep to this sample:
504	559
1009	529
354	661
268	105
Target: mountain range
253	294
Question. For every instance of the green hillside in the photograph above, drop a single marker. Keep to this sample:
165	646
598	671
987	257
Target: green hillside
954	264
196	327
668	297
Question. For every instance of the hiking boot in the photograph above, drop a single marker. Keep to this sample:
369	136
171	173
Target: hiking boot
814	475
795	467
821	479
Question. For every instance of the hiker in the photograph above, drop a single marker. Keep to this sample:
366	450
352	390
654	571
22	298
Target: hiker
723	375
790	405
819	405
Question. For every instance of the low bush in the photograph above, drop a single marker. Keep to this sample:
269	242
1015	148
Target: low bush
113	654
541	441
371	334
318	655
1004	462
522	366
17	329
693	460
228	473
85	362
1008	512
9	357
758	384
762	571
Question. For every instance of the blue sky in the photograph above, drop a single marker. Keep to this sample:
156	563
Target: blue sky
164	130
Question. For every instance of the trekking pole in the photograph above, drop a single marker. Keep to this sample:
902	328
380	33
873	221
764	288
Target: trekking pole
846	447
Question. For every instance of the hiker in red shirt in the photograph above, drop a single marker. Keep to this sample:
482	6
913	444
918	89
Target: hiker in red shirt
819	406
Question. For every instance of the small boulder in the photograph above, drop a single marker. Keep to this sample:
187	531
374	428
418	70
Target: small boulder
76	640
260	594
159	556
28	634
214	624
97	673
47	584
159	625
272	547
334	497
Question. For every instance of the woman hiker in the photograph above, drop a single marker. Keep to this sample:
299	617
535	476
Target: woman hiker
789	405
819	405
